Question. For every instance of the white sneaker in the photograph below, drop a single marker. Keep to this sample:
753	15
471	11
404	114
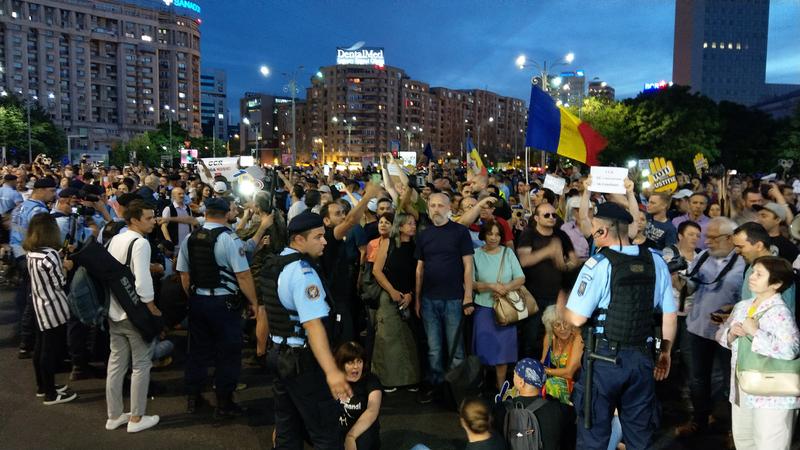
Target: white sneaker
113	424
65	397
145	423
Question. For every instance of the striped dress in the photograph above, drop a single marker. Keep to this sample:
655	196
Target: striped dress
47	288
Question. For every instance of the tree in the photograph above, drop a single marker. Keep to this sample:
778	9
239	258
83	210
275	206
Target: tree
747	138
610	119
787	141
45	136
676	125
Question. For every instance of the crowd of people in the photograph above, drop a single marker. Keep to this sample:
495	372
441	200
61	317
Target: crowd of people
357	285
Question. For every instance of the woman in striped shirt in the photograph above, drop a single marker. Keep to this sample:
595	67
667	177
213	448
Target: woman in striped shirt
47	274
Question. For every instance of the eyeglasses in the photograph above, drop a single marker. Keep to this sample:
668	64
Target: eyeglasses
549	215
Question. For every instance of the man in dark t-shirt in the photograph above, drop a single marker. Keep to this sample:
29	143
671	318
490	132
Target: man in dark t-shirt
771	216
660	232
444	287
547	256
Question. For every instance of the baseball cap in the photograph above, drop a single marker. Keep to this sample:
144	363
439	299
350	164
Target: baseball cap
774	208
683	193
220	187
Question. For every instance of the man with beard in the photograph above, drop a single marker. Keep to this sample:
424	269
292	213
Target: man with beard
338	265
715	276
443	288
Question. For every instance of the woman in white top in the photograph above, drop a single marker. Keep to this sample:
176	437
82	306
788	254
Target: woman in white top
759	421
48	279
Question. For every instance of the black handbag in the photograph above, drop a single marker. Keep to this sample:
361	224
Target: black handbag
466	379
370	289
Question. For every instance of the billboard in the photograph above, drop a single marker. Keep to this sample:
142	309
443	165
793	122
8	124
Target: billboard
657	86
363	56
188	156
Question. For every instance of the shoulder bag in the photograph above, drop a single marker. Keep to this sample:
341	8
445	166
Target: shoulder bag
762	375
515	305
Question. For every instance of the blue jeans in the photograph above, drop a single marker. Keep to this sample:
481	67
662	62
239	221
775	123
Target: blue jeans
441	317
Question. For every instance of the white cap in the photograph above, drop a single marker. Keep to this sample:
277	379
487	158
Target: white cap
373	205
220	187
683	193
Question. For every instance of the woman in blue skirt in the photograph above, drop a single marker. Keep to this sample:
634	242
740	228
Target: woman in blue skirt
497	271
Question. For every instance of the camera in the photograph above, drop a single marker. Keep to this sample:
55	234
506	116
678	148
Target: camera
677	264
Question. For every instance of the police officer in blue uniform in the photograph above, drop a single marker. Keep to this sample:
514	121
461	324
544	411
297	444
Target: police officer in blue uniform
308	386
44	191
617	295
213	270
9	196
73	228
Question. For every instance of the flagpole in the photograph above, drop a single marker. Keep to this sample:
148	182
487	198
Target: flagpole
526	164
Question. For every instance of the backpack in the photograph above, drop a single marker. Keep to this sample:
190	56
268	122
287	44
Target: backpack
87	300
521	427
115	278
112	229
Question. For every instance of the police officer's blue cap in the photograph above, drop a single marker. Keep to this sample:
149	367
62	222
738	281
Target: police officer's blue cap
531	371
77	184
9	177
217	204
69	193
126	198
94	189
612	211
305	221
44	183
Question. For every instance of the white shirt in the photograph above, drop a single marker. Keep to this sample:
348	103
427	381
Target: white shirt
296	208
183	228
140	267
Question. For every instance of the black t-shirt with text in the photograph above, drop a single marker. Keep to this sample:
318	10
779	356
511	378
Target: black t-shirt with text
358	403
544	280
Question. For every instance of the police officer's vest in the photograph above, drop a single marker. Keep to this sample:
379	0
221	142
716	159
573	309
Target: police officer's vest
629	315
203	267
278	316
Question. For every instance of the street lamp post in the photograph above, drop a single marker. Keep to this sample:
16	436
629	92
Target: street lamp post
490	120
322	142
169	119
348	125
543	69
214	138
265	71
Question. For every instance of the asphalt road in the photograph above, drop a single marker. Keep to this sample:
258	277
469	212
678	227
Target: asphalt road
26	423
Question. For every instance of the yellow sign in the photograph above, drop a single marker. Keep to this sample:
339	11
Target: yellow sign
700	163
662	176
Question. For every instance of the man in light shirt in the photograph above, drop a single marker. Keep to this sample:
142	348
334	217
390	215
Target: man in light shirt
176	232
126	342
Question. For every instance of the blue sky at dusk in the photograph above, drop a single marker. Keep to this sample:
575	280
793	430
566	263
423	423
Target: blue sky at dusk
463	44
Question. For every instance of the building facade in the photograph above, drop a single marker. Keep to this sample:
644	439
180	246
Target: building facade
572	87
213	103
357	112
720	49
265	130
601	89
105	70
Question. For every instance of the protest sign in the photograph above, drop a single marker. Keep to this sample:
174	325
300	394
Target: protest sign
662	176
554	183
608	180
188	156
700	163
409	158
226	167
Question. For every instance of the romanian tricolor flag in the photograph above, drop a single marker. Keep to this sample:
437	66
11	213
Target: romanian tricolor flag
553	129
474	159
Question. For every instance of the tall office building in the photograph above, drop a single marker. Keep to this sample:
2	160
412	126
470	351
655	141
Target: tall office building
105	70
213	103
720	49
265	129
601	89
572	88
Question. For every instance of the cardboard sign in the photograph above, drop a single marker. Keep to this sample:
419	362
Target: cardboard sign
662	176
554	183
188	156
409	158
700	163
608	180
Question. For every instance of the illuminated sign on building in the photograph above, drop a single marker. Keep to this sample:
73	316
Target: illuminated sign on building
365	56
183	4
657	86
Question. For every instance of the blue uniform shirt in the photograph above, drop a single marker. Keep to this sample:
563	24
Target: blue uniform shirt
20	219
300	289
228	252
9	198
592	290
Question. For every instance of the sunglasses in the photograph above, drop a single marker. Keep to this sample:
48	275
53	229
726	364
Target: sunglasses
549	215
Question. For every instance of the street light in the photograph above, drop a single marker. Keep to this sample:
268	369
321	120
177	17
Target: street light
322	142
349	127
490	120
264	71
543	69
169	118
220	116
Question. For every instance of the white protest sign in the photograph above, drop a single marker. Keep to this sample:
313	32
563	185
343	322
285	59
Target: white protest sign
409	158
227	167
554	183
608	180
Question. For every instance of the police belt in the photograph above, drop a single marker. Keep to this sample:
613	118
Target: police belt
293	361
644	347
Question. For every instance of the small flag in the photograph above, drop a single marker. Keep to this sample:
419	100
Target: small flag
428	152
474	159
554	129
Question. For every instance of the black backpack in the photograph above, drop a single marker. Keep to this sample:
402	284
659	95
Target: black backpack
521	428
116	278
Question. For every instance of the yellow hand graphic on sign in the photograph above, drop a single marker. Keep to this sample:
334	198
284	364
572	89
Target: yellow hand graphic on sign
662	176
700	163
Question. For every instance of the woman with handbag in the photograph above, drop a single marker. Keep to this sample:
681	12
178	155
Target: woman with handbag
394	356
497	274
765	343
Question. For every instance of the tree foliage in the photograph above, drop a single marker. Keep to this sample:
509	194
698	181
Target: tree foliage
46	137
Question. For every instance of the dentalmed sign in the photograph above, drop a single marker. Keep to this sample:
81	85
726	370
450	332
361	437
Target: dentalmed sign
364	56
